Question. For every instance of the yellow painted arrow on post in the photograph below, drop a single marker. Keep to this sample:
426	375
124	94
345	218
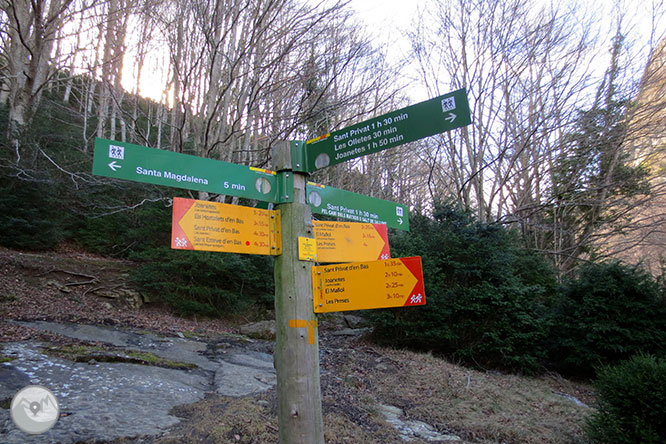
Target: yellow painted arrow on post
214	226
350	241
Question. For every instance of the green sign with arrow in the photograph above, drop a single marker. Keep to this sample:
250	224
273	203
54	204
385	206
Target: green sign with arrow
357	207
138	163
414	122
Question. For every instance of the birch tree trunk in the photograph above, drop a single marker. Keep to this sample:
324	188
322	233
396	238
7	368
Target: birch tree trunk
32	30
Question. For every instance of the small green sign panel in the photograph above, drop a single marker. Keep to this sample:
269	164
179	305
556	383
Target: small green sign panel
414	122
357	207
138	163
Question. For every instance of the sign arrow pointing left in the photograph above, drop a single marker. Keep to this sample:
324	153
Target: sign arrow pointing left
214	226
114	166
120	160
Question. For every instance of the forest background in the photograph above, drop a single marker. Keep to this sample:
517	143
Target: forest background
541	224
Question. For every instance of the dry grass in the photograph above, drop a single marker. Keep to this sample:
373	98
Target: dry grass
219	419
480	407
486	406
253	420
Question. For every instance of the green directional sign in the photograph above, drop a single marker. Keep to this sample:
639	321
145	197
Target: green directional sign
396	128
138	163
357	207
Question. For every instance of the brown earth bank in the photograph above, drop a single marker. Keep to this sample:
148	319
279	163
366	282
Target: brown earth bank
358	377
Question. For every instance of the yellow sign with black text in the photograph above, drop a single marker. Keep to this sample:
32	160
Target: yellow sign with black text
307	249
366	285
350	241
213	226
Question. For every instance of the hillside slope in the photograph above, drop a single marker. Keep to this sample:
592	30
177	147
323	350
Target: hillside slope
358	378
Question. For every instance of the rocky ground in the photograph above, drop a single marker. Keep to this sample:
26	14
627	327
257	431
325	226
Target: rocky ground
129	372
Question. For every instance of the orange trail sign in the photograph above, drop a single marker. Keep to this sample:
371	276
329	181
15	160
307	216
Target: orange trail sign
366	285
350	241
213	226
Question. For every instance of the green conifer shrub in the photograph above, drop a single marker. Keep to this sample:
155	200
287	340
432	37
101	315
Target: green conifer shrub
607	314
631	403
205	283
485	293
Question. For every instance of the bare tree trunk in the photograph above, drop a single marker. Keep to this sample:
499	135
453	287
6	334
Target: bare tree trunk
111	94
32	32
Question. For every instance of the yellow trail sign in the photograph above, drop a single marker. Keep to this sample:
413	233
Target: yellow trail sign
366	285
350	241
213	226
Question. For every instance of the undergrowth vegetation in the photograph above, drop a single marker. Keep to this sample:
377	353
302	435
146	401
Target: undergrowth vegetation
632	403
491	301
486	294
494	304
608	313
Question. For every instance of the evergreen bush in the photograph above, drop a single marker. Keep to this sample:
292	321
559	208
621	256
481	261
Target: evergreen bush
631	403
609	313
28	219
125	232
205	283
486	294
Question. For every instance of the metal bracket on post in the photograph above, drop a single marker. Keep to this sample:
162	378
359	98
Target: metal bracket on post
285	186
287	158
298	158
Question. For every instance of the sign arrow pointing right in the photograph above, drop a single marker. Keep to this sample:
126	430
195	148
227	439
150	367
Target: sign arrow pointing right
375	284
408	124
350	241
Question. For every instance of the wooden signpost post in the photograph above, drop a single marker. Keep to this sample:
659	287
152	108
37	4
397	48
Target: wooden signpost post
371	280
296	334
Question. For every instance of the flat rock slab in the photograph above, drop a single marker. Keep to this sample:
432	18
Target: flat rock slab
175	349
103	401
243	374
410	429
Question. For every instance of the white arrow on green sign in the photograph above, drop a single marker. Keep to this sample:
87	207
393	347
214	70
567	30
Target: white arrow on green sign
414	122
357	207
138	163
